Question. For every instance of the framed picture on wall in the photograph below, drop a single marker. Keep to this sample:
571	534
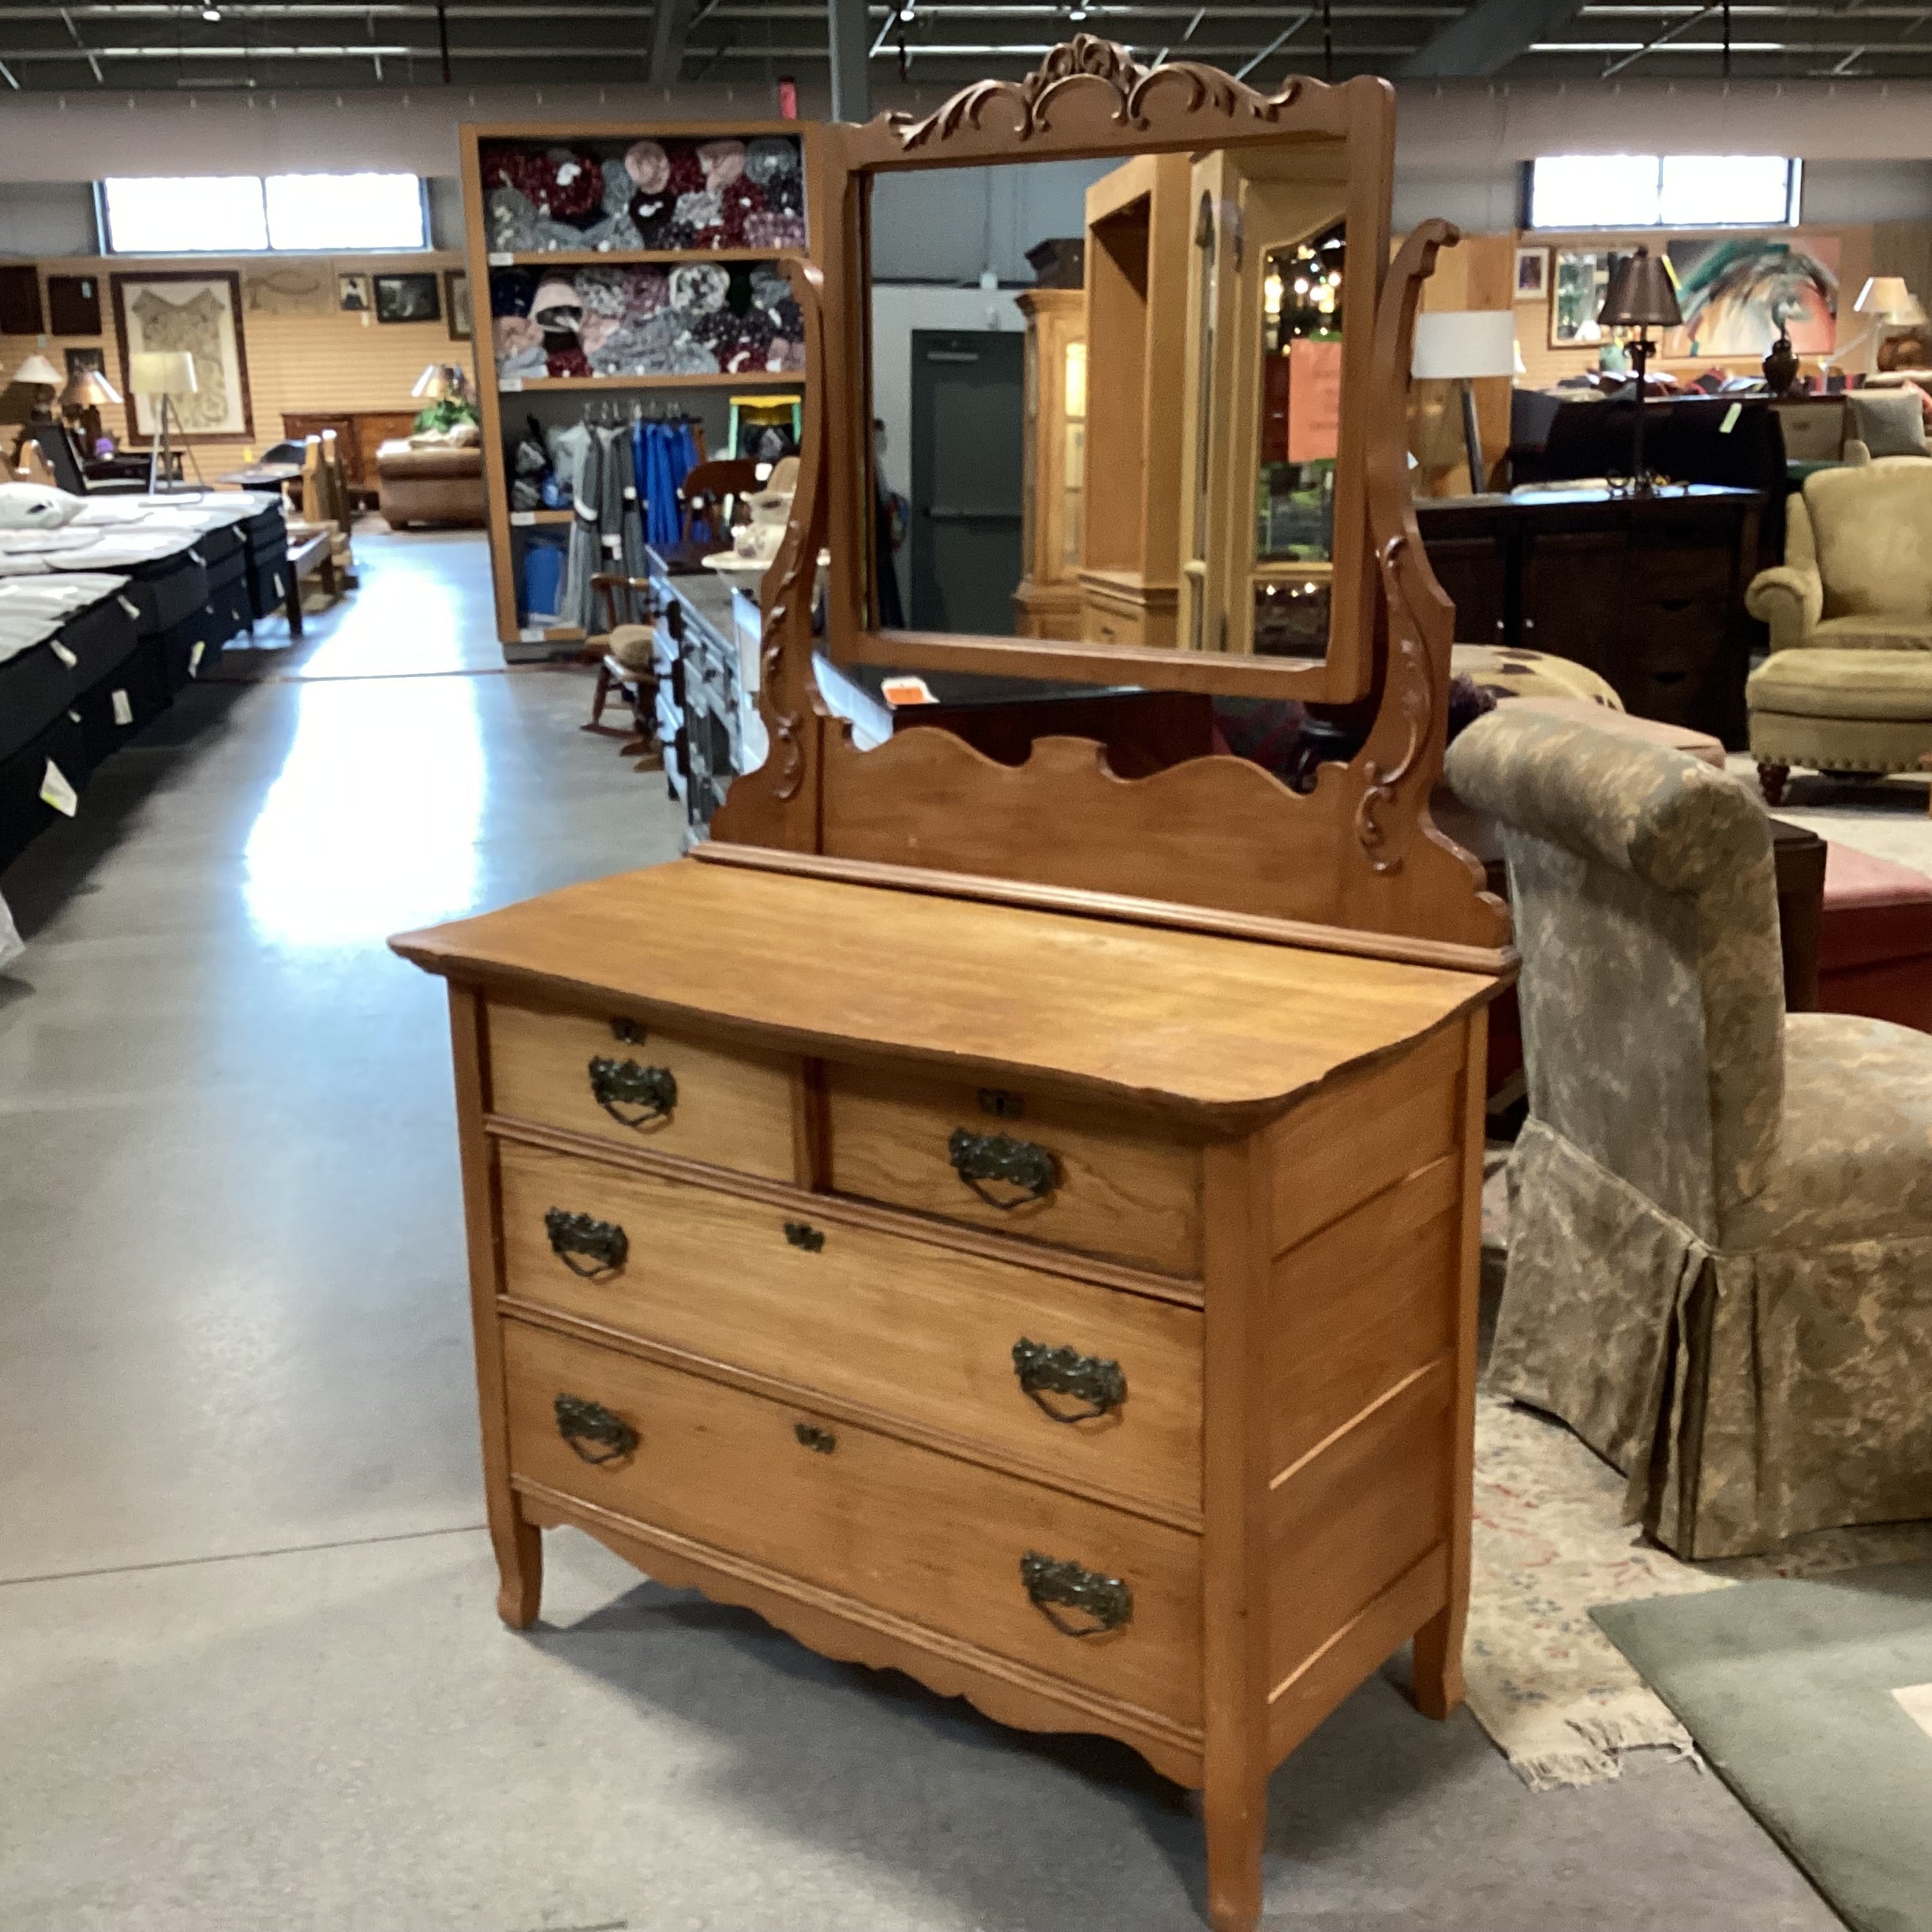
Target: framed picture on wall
80	361
408	298
1738	291
354	295
197	310
1580	282
1531	274
456	305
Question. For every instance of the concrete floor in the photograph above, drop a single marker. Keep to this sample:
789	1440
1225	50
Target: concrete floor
250	1676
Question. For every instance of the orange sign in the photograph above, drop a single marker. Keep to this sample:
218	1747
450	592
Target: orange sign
1314	401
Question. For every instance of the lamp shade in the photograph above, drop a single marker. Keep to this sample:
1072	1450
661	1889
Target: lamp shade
1456	344
37	369
1641	294
1885	297
88	390
161	371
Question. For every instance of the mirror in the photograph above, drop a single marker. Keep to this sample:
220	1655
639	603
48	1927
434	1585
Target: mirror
1146	466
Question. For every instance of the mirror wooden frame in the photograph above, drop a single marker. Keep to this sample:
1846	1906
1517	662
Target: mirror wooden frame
1217	843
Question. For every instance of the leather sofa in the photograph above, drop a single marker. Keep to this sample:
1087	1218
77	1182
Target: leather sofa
440	483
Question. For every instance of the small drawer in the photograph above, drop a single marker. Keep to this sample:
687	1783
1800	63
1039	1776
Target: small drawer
1101	1387
1026	1164
644	1086
975	1555
1104	621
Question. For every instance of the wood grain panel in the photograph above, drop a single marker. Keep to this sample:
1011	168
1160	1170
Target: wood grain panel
1121	1192
1352	1520
736	1107
920	1535
1362	1306
902	1328
1364	1134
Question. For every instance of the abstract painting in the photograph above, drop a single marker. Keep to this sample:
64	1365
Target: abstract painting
195	310
1738	292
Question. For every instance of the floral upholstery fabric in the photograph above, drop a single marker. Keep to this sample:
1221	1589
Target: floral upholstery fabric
1506	673
1720	1259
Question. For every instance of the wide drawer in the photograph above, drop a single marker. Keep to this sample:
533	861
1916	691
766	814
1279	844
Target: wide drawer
1080	1178
937	1336
943	1543
644	1086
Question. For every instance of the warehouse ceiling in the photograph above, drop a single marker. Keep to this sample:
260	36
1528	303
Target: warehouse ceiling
928	44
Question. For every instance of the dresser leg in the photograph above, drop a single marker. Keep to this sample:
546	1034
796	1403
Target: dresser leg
1235	1812
1436	1676
519	1566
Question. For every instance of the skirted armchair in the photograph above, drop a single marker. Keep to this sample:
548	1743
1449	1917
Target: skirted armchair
1848	687
1720	1254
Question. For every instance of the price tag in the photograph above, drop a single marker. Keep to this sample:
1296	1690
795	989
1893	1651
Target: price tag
1730	418
630	493
123	709
613	544
55	791
522	519
510	385
195	657
61	651
199	558
500	258
128	605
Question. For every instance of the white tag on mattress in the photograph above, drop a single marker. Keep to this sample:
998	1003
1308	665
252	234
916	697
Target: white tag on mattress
128	605
195	657
61	651
73	718
198	558
123	709
55	791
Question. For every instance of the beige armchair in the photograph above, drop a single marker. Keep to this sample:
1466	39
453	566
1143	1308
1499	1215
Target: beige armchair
1848	687
1720	1216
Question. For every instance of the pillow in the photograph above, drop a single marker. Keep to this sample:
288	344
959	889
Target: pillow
36	506
1889	422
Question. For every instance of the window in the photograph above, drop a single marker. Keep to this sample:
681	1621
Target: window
1663	191
246	215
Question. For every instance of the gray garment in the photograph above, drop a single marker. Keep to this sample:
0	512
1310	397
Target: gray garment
607	533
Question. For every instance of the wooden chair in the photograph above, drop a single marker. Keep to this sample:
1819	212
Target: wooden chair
629	603
325	500
716	493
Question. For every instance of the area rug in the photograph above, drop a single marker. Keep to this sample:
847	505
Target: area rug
1800	1694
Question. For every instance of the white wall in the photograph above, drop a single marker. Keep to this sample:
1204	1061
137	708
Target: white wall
950	226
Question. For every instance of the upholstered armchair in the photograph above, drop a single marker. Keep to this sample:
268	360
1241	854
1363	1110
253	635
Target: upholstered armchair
1848	687
1721	1251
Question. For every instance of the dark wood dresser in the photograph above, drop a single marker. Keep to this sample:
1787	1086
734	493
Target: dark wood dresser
1648	591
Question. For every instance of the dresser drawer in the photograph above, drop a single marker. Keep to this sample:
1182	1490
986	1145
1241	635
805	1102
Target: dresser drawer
940	1542
1080	1179
937	1336
644	1086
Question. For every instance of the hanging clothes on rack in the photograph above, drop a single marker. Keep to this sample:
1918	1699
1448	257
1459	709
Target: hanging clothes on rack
607	533
666	451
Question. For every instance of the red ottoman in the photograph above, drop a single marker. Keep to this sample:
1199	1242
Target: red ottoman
1875	940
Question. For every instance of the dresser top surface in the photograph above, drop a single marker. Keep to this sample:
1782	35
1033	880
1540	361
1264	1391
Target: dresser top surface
1228	1032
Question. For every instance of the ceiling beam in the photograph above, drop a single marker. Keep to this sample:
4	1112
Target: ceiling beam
670	22
849	36
1491	35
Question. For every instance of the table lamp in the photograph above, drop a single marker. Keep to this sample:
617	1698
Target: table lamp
441	379
1642	296
1463	345
80	403
39	371
1890	305
161	375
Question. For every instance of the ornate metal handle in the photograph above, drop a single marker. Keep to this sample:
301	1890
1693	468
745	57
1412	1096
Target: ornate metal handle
978	1159
615	1083
1043	1370
604	1244
820	1441
580	1421
1051	1581
802	1234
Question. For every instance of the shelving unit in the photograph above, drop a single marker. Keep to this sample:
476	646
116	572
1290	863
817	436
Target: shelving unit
503	404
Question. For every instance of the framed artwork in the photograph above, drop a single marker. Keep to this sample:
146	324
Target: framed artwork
79	360
73	304
1531	274
354	295
408	298
1737	292
1580	280
288	289
456	305
198	310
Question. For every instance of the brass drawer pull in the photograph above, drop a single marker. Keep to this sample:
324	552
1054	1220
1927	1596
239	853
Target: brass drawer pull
978	1159
802	1234
615	1083
820	1441
603	1244
1051	1582
580	1421
1091	1379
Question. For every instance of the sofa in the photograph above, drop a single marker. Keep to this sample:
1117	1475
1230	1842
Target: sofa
434	483
1848	687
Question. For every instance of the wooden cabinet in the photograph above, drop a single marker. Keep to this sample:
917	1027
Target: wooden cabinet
1648	591
1047	603
359	433
1136	329
1115	1374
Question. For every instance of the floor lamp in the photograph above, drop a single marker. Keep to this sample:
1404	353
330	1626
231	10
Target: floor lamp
161	375
1463	345
1642	297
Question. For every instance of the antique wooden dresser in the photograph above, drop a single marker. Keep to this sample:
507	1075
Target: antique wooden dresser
1014	1222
